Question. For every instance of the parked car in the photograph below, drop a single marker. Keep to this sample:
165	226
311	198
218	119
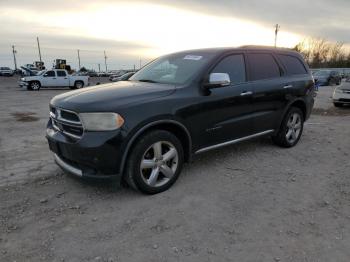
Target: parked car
124	77
6	71
341	95
143	130
327	77
54	78
117	74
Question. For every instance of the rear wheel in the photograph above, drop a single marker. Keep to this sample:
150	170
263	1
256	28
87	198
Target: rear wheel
291	128
78	85
155	162
34	86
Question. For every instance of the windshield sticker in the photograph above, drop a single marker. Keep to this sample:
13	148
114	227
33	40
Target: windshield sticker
193	57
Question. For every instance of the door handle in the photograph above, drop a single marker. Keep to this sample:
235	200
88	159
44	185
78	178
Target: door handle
246	93
287	86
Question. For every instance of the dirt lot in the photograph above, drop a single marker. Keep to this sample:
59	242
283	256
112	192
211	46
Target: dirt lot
248	202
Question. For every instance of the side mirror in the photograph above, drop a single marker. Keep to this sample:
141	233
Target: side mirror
217	80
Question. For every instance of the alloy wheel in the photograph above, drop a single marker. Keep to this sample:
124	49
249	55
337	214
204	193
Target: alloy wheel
159	164
294	126
35	86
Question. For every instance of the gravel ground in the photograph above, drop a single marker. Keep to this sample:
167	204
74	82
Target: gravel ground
248	202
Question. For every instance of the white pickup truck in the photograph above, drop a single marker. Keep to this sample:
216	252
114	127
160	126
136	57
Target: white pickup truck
54	78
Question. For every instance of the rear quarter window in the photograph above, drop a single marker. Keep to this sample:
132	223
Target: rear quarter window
263	66
292	64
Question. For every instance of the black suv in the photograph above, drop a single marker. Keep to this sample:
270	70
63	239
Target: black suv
142	131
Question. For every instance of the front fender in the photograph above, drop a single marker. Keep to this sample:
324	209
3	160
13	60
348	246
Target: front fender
147	126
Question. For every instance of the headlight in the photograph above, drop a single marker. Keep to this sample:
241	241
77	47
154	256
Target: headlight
101	121
23	79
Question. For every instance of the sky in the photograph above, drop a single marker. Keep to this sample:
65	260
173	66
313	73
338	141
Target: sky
134	32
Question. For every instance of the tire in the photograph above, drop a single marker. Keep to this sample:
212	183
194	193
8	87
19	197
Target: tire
34	86
156	174
338	104
78	84
291	128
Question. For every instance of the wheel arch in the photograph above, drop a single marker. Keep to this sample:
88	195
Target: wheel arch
77	81
173	126
35	80
299	103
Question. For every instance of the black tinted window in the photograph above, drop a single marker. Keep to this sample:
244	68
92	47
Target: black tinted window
50	73
263	66
234	66
61	73
292	64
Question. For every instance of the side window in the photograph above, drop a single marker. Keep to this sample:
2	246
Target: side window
234	66
292	64
61	73
263	66
50	74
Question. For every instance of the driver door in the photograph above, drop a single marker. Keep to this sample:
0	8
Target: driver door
49	79
226	112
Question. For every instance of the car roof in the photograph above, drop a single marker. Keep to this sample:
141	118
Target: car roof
248	48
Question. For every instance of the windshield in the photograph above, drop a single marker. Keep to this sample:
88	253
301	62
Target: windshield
173	69
322	73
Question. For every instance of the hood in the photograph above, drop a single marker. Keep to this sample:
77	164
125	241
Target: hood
108	97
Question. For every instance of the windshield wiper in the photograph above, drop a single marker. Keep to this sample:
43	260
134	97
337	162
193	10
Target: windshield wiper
147	81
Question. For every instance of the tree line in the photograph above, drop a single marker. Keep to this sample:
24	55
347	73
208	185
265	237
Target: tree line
320	53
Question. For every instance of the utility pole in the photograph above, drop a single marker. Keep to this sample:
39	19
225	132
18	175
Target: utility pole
37	39
277	28
99	68
134	67
140	63
14	56
105	60
79	58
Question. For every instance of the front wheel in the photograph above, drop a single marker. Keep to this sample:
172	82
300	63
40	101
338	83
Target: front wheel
34	86
155	162
291	128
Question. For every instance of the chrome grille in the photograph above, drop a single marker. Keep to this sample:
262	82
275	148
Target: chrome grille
67	122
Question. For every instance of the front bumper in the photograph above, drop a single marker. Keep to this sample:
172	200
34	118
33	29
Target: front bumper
23	84
95	155
343	98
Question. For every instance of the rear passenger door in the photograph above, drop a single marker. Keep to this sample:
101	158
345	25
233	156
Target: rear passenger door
294	78
268	101
62	78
